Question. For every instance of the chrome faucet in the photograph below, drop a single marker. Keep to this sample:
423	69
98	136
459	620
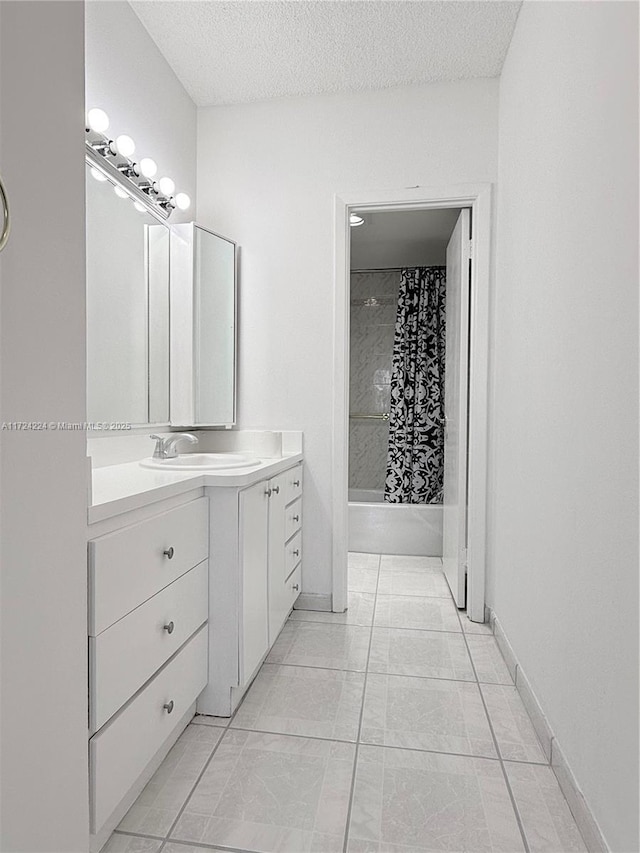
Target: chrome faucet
166	447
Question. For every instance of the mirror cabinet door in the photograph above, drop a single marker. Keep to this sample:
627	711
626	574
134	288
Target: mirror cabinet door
203	327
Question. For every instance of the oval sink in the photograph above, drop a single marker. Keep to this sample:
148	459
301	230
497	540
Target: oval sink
202	462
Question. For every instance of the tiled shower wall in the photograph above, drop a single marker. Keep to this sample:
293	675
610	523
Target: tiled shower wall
374	296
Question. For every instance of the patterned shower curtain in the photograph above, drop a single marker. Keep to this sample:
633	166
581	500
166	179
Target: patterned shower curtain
415	459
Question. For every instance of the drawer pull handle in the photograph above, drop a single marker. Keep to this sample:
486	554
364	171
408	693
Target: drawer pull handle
296	587
296	518
268	493
296	553
296	483
169	553
169	628
276	490
168	707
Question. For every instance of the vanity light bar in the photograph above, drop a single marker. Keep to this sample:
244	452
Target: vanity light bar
112	159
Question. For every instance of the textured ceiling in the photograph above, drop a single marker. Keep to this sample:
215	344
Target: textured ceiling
247	50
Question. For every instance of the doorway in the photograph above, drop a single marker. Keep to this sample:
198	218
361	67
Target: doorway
466	521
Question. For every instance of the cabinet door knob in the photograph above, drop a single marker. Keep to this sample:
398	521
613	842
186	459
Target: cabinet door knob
169	553
268	493
296	553
168	707
296	518
276	490
169	628
296	587
296	483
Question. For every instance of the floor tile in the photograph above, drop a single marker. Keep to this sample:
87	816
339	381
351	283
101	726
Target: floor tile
359	612
131	844
470	627
362	580
392	562
207	720
422	801
426	713
357	560
413	583
548	824
417	612
303	701
517	740
420	653
325	646
488	661
172	847
164	795
268	793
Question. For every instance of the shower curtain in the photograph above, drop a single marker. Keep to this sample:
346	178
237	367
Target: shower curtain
415	458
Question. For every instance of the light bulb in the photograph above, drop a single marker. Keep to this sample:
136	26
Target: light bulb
167	186
98	175
125	145
355	220
147	167
183	202
120	192
139	207
98	120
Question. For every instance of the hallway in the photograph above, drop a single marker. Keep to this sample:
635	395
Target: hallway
398	719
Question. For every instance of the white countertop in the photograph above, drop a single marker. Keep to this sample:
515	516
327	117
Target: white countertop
120	488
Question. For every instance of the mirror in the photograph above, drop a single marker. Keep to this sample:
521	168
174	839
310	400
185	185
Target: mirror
127	310
203	327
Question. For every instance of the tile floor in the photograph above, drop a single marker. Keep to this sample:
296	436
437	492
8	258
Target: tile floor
392	728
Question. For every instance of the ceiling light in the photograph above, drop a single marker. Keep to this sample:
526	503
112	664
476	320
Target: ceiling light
97	120
167	186
355	220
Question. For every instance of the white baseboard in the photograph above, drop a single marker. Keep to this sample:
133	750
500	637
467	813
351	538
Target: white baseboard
586	823
313	601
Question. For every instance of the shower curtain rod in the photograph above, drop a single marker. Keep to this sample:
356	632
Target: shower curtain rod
383	269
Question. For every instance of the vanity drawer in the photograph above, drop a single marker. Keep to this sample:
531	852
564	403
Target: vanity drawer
293	519
292	554
122	749
129	566
293	586
293	483
127	654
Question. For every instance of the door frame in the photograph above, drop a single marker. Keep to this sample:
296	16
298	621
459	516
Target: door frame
478	197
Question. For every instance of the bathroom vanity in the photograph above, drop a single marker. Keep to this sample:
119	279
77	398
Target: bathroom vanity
191	578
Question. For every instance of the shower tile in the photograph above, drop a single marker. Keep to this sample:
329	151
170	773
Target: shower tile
426	713
418	801
418	612
303	701
428	654
162	798
400	563
430	584
548	823
359	612
324	646
362	580
489	663
517	740
271	793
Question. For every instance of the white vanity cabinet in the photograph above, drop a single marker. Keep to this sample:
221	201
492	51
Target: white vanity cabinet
249	605
148	647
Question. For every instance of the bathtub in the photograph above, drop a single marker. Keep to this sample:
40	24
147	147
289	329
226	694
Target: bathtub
376	527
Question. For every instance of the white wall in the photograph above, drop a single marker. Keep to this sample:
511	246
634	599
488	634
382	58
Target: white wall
127	76
563	518
43	500
267	175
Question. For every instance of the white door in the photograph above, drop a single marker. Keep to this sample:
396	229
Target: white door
454	538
